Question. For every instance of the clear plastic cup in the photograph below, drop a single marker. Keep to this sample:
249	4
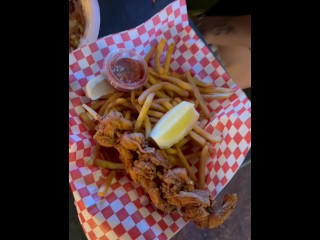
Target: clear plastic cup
125	69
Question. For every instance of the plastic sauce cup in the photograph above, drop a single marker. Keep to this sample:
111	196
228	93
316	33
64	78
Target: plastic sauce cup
125	70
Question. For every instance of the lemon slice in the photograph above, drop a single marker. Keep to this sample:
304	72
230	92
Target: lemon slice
175	125
97	87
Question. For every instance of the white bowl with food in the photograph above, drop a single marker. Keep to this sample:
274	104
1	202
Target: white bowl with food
84	22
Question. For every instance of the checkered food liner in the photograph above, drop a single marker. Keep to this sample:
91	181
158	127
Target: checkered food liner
126	212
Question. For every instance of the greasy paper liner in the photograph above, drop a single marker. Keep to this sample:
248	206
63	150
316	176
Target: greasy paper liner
126	212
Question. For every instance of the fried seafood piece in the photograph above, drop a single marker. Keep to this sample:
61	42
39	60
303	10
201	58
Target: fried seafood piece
157	157
169	189
110	128
135	142
125	156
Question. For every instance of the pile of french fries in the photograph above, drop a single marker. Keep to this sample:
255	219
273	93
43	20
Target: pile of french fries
144	107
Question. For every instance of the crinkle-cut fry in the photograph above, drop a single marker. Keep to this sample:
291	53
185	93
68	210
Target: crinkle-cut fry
150	53
95	151
147	126
186	165
117	102
97	105
157	57
204	155
216	96
167	105
158	107
173	80
197	95
105	186
108	164
87	121
93	113
203	133
161	100
143	112
112	97
183	141
168	58
195	136
156	114
149	90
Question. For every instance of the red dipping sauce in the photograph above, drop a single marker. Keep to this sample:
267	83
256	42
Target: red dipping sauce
126	70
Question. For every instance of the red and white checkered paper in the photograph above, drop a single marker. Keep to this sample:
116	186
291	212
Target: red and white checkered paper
126	212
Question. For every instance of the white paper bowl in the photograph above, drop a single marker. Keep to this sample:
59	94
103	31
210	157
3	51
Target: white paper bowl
92	14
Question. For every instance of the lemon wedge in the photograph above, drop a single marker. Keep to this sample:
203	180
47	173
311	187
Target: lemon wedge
175	125
97	87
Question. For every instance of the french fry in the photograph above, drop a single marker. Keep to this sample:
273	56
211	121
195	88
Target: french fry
157	57
195	136
127	115
168	58
93	113
150	53
198	95
153	119
161	100
202	166
90	160
186	165
201	83
108	164
117	102
191	156
183	141
216	96
104	187
97	105
171	151
167	105
158	107
147	126
203	133
151	79
156	114
173	80
143	112
151	89
87	121
112	97
181	92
